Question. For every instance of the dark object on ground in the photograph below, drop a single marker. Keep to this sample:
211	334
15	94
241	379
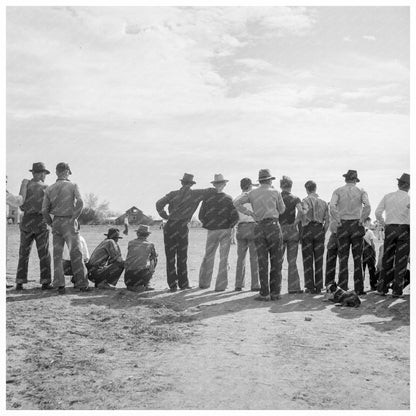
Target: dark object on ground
345	298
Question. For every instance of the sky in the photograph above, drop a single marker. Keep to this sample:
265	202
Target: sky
133	97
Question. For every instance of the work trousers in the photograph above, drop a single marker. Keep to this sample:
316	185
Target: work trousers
313	247
350	233
63	231
175	234
36	232
269	241
135	278
290	235
109	273
245	241
369	261
215	238
395	257
331	258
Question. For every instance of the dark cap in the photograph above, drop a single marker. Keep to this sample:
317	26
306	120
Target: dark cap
39	167
246	182
61	166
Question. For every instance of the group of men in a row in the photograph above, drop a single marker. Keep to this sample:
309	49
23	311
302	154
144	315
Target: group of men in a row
270	222
59	206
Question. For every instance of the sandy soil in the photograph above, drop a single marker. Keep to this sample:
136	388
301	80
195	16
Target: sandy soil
200	349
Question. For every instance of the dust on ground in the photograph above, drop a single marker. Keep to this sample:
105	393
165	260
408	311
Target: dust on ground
201	349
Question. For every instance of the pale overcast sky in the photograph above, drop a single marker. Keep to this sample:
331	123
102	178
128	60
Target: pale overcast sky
132	98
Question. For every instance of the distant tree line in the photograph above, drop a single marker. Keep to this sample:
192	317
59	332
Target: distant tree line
95	212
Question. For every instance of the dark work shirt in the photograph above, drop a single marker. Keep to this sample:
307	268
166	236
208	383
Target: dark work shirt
182	203
34	197
32	220
289	216
218	212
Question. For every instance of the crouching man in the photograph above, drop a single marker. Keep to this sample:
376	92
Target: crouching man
106	263
140	262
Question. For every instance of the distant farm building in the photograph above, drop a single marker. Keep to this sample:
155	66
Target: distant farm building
135	216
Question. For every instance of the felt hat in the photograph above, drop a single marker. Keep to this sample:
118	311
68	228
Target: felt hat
39	167
188	178
404	178
351	175
265	174
219	178
113	233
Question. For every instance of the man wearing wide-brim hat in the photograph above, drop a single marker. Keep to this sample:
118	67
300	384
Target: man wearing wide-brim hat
267	204
218	216
349	207
140	262
34	228
62	205
182	204
396	206
106	262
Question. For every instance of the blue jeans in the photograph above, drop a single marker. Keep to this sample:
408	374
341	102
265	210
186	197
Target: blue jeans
269	241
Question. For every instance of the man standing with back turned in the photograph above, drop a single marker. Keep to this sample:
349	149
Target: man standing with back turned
267	205
63	200
350	207
33	227
396	206
182	205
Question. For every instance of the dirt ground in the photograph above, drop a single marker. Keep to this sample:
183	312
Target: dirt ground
200	349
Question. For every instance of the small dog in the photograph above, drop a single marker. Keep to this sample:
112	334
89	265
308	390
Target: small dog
344	298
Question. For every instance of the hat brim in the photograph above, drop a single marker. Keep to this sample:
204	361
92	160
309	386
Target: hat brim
143	232
349	177
39	171
114	236
224	181
267	178
403	180
185	181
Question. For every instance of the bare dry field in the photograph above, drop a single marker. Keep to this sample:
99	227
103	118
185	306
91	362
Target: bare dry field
200	349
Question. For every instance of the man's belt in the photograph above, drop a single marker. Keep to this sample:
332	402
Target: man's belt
350	220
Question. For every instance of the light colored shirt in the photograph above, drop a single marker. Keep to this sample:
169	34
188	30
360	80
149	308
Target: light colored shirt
107	252
84	250
369	236
396	206
314	209
243	217
61	199
266	202
140	254
350	203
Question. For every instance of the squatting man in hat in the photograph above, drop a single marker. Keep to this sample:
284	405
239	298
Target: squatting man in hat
140	262
61	207
106	262
33	227
182	204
